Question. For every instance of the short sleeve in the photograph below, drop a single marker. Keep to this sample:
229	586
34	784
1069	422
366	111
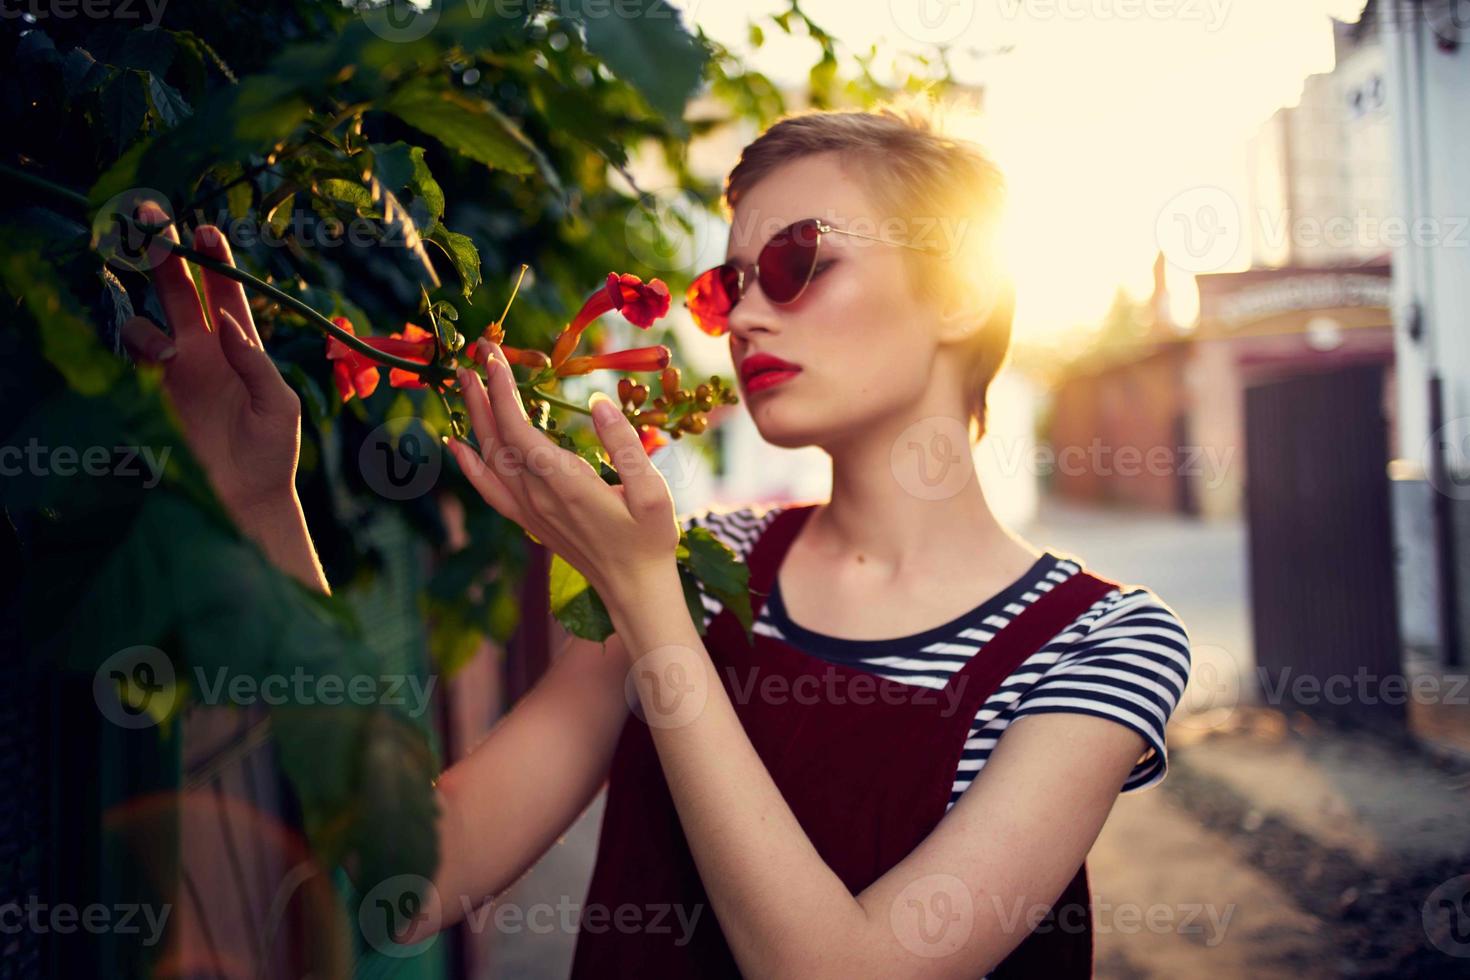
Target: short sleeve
1130	665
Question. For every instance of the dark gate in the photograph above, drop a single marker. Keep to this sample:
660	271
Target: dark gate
1325	613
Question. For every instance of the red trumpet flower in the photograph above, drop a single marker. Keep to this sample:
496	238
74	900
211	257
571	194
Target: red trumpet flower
354	373
641	302
495	334
654	358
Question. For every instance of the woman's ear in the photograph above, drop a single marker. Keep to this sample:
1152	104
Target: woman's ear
968	306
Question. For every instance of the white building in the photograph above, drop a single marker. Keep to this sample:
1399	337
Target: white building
1427	68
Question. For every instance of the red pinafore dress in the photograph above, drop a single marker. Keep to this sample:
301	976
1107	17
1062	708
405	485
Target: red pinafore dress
868	778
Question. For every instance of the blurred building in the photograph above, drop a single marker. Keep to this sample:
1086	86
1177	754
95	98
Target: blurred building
1315	301
1427	66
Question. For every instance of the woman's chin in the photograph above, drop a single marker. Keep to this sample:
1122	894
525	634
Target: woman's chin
789	429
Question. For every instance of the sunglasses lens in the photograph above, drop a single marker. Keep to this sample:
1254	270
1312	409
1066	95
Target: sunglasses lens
710	298
787	261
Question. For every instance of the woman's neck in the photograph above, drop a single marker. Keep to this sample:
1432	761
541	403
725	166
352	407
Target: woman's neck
878	517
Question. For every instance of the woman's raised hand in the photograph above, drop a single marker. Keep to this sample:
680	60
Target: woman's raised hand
240	418
613	535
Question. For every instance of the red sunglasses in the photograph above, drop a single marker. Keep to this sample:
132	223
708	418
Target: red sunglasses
783	268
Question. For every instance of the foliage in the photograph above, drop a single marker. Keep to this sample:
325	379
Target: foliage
373	169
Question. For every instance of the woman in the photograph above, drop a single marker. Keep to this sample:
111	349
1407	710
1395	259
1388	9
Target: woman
836	800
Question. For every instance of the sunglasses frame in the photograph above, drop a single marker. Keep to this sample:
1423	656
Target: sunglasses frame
823	228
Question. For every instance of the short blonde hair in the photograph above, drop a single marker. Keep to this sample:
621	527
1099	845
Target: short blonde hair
912	169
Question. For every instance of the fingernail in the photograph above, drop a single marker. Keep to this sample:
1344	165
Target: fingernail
206	236
168	353
602	407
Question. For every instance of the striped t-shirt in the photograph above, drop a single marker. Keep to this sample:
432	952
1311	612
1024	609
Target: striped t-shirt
1125	659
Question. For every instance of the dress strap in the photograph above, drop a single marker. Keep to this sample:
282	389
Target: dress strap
770	548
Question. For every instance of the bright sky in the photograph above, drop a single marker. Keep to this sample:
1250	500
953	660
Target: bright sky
1103	112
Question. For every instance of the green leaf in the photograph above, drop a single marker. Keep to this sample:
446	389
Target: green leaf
644	42
722	573
81	72
692	600
167	103
575	605
462	252
348	192
462	124
68	341
124	107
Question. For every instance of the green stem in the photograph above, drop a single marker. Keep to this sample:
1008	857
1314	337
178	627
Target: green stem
42	184
430	372
547	397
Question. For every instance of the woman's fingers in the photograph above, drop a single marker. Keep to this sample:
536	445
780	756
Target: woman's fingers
644	488
483	478
244	352
146	342
511	421
222	294
172	281
482	420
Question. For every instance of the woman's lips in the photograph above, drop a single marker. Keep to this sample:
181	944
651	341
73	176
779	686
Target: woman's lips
767	379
